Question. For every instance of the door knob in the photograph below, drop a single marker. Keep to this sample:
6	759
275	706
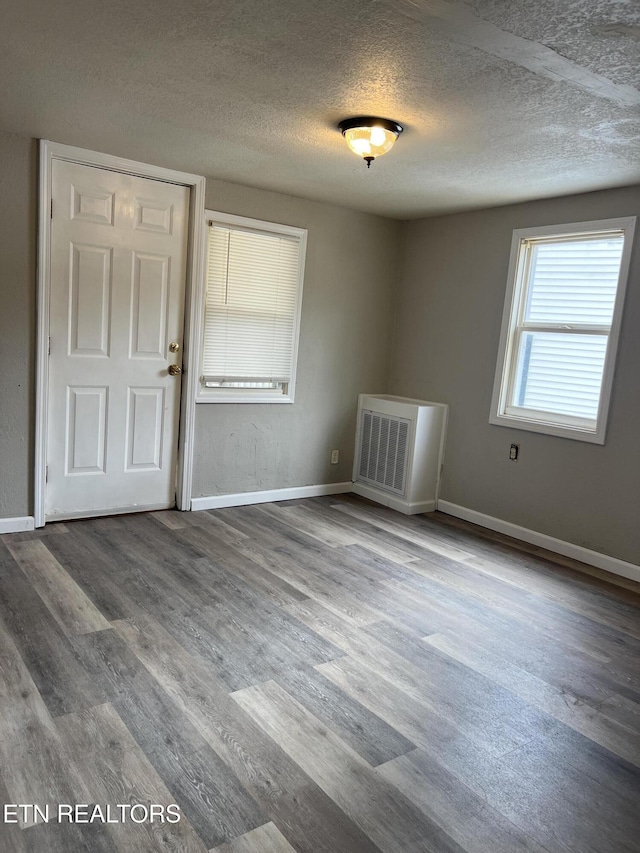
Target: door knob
175	370
174	346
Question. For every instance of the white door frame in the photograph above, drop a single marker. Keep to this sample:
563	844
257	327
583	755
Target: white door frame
50	151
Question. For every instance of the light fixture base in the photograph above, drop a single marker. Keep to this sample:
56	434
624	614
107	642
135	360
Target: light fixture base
370	121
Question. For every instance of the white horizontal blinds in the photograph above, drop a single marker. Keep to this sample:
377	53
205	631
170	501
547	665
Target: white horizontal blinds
252	281
574	281
567	307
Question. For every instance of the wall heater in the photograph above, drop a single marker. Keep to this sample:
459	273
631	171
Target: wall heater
399	451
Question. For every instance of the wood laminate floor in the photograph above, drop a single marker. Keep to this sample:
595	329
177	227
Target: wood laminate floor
316	676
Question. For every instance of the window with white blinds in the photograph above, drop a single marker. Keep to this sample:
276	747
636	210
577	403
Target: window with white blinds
252	310
562	314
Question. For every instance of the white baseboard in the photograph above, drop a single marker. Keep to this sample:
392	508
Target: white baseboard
559	546
392	501
246	498
17	525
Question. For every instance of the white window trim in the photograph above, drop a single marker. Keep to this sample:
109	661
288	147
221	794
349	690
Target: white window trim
246	395
506	364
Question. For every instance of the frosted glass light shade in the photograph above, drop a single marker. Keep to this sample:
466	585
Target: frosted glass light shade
370	137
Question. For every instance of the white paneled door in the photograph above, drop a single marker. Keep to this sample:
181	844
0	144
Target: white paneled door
118	266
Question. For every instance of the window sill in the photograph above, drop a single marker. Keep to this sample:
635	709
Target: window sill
594	436
244	398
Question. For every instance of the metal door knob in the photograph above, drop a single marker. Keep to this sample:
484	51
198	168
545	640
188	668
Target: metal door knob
174	346
175	370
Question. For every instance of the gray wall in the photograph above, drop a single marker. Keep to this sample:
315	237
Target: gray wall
449	312
344	350
18	164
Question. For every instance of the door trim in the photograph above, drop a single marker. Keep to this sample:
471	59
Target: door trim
194	294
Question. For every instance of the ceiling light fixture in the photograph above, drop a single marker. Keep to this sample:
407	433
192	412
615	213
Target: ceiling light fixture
370	137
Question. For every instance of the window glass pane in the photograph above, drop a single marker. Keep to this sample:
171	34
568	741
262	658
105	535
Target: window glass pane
574	281
561	373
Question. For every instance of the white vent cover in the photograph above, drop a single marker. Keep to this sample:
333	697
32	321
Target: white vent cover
399	444
383	451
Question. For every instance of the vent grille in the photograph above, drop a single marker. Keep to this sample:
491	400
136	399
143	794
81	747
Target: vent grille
383	451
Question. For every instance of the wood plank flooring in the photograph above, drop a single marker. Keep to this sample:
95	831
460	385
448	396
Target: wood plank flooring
316	676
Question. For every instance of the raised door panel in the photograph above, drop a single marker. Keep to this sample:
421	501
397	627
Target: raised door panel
90	300
86	429
149	305
145	429
92	204
153	215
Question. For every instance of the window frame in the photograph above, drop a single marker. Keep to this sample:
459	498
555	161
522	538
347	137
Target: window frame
207	394
502	412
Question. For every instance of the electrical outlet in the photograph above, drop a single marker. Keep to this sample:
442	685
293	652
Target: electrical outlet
335	457
514	450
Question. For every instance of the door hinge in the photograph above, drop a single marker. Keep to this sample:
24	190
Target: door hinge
46	473
51	209
49	347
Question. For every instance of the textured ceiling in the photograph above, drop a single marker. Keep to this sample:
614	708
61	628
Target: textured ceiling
502	100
